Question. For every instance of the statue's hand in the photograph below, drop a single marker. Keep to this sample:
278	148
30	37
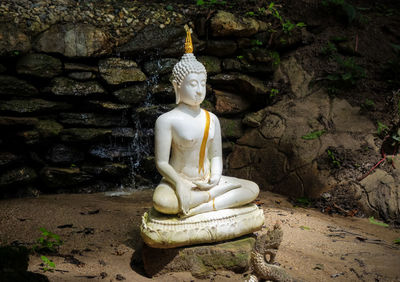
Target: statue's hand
183	193
214	180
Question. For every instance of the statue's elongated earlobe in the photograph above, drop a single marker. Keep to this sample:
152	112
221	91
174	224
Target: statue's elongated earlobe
177	95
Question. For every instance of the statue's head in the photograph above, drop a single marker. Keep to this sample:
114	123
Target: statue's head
189	75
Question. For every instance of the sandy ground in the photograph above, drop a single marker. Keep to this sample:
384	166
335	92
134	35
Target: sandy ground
105	234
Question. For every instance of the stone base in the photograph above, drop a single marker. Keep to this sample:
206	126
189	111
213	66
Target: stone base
201	261
169	231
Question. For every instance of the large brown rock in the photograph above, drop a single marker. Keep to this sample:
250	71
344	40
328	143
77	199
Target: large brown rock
381	193
201	261
48	128
62	86
12	40
153	37
17	176
220	48
17	121
242	84
227	24
54	177
84	134
39	65
65	155
116	71
74	40
32	106
212	64
228	103
231	128
12	86
134	94
277	154
91	119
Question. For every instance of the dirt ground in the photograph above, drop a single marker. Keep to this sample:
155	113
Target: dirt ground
101	235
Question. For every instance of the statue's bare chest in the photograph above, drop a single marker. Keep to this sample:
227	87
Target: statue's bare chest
190	134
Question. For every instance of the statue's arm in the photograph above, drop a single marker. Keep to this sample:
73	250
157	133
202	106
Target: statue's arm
215	154
163	141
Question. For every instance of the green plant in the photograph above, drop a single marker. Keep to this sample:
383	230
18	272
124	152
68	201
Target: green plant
48	241
169	8
368	104
256	42
397	241
273	92
240	57
276	59
210	2
305	227
313	135
374	221
335	162
329	49
382	129
347	75
287	25
303	201
48	265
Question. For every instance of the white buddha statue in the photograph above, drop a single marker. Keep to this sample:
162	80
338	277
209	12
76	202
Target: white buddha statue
188	151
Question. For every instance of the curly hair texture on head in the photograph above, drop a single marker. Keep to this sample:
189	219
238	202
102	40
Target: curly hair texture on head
187	64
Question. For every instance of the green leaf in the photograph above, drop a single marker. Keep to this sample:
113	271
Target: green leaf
396	137
200	2
47	261
313	135
305	227
374	221
381	128
397	241
346	76
300	24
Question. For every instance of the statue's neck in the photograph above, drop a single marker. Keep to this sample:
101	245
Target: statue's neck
190	109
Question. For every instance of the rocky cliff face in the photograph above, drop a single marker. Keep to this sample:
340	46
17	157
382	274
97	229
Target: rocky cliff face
81	85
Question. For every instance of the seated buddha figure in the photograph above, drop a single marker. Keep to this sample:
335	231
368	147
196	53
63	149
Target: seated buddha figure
188	150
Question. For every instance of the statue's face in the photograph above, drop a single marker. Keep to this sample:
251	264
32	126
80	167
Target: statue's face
193	89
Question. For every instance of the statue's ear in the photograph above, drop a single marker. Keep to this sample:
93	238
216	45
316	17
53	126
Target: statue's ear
176	88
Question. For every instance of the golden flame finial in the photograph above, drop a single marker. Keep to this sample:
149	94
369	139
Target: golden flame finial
188	42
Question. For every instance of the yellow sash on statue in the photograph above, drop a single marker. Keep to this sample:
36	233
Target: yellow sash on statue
204	142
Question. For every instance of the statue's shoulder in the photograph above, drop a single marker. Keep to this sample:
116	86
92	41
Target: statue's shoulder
167	117
213	117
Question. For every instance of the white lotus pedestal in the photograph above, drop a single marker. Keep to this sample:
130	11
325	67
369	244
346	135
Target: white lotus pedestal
166	231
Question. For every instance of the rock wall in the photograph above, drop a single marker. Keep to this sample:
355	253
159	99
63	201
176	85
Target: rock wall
81	85
80	94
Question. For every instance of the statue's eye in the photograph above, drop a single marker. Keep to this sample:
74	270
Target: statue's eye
193	83
203	83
